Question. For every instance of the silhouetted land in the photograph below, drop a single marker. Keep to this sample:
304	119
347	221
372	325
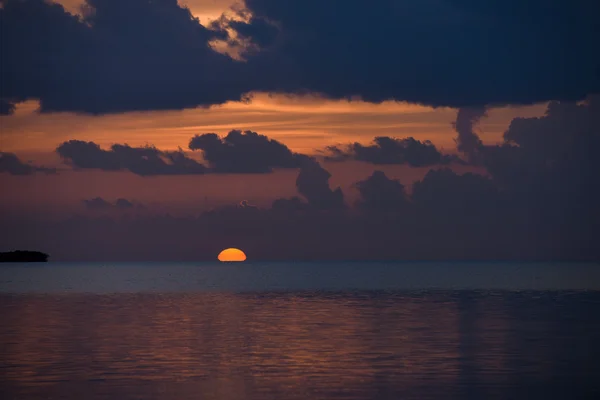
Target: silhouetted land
23	256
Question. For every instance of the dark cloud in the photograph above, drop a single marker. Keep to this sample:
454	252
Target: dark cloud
82	154
125	55
238	152
292	204
100	204
144	161
241	210
446	194
258	30
6	107
251	34
313	184
550	164
97	203
122	55
124	204
244	152
455	53
468	141
388	150
381	194
11	164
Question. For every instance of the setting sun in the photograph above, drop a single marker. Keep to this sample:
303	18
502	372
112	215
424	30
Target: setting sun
232	254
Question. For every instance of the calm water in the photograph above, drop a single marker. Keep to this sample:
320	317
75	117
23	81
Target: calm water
300	331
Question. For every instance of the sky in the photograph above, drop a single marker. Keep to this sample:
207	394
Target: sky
394	129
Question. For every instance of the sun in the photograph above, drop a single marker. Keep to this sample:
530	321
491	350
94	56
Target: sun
232	254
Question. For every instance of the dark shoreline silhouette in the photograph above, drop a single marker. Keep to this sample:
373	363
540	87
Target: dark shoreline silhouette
23	256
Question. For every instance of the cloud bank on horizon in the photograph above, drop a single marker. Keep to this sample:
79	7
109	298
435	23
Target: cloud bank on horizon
538	201
457	53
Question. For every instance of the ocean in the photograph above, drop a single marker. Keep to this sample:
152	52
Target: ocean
344	330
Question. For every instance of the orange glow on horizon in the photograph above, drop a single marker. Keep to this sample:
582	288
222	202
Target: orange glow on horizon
305	124
232	254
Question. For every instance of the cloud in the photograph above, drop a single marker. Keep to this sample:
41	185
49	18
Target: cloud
292	204
258	30
251	34
453	196
388	150
238	152
152	55
144	161
550	164
120	56
6	108
11	164
453	53
244	152
124	204
381	194
98	203
313	184
468	141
